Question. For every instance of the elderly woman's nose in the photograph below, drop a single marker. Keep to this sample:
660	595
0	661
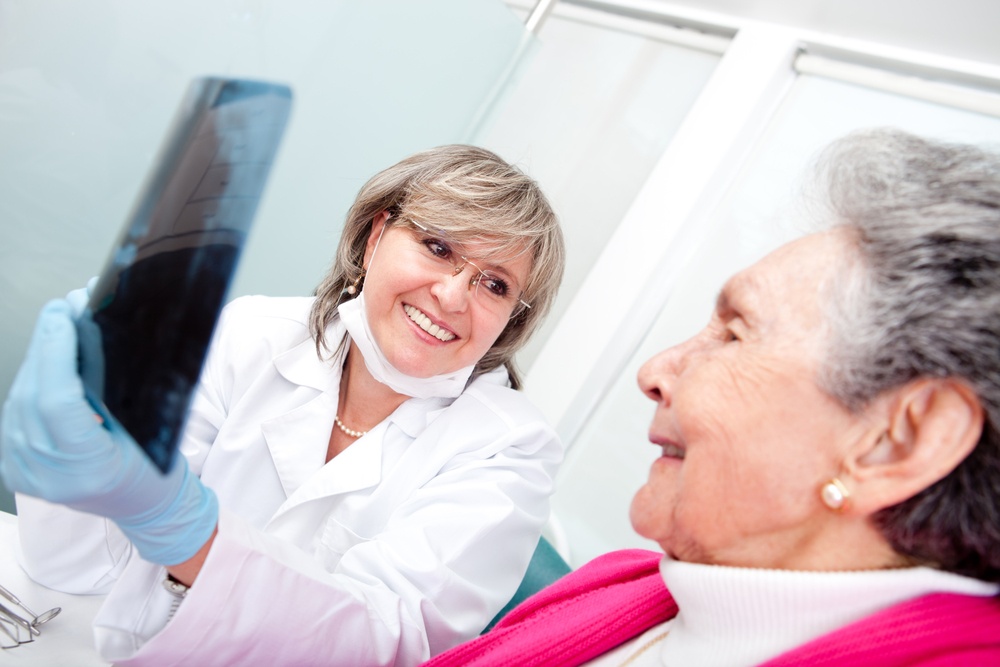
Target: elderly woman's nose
654	376
658	373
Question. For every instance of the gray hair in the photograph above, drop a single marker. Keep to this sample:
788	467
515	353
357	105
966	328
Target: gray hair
472	195
922	299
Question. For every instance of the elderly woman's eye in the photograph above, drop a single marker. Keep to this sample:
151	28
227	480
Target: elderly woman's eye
437	248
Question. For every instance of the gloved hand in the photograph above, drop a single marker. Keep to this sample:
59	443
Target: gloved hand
53	446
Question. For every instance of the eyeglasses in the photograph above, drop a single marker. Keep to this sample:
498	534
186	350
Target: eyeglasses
498	294
15	629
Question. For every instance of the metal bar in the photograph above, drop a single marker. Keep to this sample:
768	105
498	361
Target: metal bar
716	43
962	97
538	15
607	16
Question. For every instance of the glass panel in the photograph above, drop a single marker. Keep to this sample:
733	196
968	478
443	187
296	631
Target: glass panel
610	460
87	92
588	119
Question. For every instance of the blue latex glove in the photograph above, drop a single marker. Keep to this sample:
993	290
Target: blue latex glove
52	446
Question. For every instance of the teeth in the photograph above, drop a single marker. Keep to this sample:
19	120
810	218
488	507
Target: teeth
673	451
425	323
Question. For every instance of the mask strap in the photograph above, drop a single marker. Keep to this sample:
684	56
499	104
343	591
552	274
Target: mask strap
352	289
375	249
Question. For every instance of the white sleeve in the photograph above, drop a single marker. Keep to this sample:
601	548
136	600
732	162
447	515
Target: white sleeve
69	551
449	557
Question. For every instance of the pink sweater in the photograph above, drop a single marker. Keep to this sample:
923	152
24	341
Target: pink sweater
619	595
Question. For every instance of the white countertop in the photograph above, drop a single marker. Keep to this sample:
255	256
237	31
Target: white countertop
66	640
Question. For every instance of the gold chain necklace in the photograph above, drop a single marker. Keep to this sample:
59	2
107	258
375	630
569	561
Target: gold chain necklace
349	431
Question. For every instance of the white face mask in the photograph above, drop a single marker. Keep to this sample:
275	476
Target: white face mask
354	315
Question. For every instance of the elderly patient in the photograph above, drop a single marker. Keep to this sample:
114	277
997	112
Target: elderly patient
829	485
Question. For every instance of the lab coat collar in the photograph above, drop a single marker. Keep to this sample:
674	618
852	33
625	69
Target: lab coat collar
357	467
300	364
298	455
296	449
413	416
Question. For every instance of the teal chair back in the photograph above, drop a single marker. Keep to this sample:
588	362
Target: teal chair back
545	567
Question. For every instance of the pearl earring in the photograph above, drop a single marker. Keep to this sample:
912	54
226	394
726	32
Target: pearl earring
352	289
834	495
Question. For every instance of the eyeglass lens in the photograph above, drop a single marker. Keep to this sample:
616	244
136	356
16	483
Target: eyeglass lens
495	292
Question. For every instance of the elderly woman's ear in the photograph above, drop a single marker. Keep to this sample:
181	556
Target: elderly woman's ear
928	427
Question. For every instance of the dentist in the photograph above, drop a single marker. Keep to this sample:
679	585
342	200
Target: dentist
361	482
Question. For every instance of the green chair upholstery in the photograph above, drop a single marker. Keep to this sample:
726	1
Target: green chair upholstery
545	567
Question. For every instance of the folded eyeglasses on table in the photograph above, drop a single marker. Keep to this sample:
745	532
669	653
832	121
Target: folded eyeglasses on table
18	624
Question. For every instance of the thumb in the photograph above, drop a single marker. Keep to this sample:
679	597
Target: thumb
45	382
26	381
59	388
62	409
54	349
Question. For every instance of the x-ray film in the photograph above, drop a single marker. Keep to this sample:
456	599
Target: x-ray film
145	332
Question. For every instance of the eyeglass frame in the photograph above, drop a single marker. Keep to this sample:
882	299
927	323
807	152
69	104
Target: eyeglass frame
459	268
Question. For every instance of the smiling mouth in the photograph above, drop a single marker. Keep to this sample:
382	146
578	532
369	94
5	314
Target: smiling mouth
673	451
425	323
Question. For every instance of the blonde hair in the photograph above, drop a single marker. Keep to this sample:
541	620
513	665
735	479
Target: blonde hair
472	195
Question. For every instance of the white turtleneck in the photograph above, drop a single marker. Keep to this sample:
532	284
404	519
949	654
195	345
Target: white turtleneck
732	616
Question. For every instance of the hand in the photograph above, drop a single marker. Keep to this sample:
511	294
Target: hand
53	446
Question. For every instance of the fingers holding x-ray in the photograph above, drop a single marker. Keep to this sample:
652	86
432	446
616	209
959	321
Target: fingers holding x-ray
78	298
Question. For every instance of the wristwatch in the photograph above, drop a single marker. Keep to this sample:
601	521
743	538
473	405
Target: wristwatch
174	587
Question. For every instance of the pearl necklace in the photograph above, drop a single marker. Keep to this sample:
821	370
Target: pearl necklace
349	431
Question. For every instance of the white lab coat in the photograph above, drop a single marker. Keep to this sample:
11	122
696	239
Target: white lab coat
405	544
